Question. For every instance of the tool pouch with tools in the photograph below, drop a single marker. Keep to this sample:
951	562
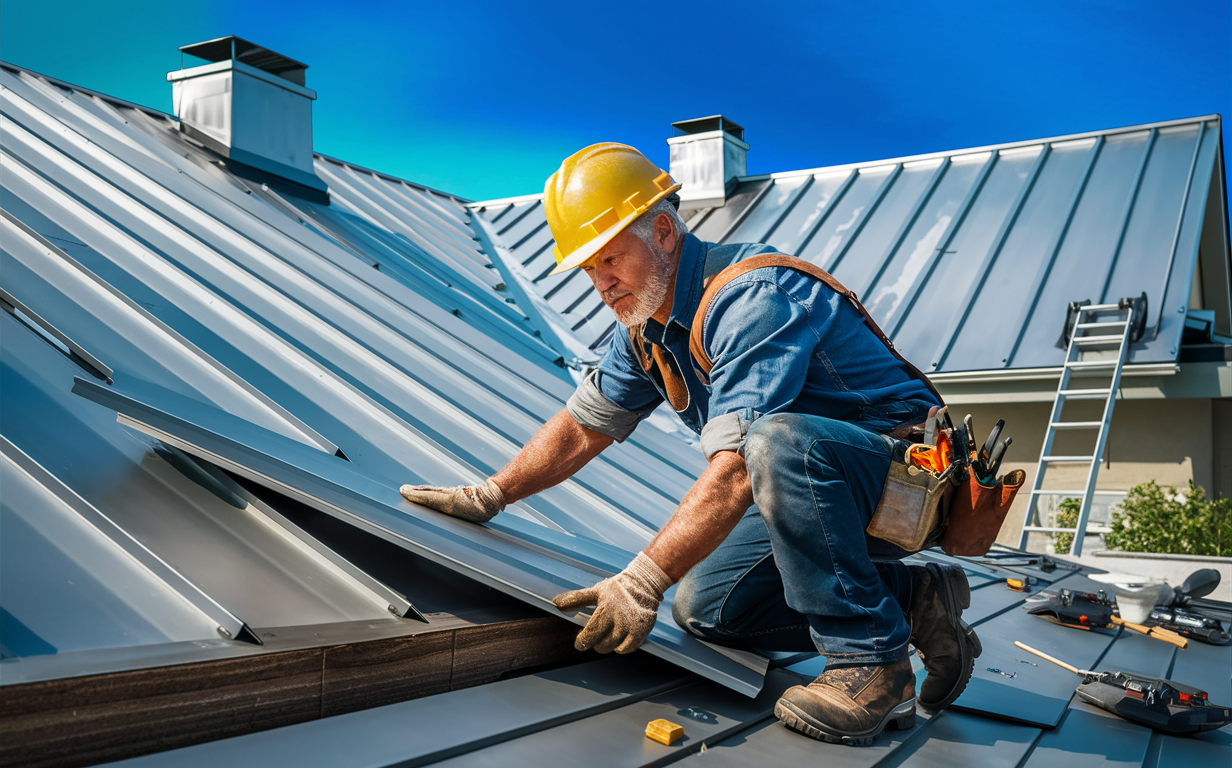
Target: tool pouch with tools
911	512
976	513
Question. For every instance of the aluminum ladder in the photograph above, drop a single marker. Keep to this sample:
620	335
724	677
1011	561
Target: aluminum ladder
1090	333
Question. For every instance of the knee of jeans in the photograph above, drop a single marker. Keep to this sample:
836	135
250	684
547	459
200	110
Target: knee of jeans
688	608
768	438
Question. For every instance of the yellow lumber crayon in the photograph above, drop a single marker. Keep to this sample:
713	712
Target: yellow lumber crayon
664	731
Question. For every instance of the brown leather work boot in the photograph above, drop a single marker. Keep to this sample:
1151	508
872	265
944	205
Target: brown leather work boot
851	705
947	645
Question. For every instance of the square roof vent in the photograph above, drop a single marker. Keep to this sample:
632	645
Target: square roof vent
250	105
707	155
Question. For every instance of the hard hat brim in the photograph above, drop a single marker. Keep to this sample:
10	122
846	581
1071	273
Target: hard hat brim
587	251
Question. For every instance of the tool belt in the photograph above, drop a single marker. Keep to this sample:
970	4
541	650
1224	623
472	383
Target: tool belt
918	508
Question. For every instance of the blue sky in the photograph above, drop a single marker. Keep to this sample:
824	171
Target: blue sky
484	99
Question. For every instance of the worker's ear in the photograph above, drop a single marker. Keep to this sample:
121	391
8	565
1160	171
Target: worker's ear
665	234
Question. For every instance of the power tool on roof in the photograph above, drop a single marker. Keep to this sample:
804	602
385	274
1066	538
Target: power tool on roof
1188	624
1071	608
1176	610
1086	610
1151	701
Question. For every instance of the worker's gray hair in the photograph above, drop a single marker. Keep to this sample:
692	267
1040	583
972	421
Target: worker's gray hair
643	226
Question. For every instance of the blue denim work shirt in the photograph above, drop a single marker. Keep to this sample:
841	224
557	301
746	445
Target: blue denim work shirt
780	341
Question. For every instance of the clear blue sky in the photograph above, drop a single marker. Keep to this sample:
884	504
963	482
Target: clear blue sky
484	99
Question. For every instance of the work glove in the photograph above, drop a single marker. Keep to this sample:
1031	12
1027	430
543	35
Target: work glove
477	503
626	607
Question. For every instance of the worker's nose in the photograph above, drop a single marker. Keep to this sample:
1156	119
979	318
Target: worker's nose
603	279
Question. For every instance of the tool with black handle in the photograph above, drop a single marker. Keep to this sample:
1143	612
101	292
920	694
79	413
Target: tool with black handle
991	442
1151	701
1176	612
1088	610
986	461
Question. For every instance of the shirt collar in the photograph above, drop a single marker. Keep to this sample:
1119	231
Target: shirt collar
689	275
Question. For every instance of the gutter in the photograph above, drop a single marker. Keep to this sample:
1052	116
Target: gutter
1039	374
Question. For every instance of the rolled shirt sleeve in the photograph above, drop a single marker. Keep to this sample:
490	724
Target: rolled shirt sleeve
616	396
760	339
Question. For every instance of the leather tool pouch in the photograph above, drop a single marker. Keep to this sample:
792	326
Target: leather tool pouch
911	512
976	513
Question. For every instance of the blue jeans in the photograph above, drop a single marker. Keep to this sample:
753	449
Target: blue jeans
798	571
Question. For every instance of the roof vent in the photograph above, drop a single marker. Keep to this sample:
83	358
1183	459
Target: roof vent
707	153
250	106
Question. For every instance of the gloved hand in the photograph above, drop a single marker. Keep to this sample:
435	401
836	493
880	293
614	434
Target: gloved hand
477	503
627	605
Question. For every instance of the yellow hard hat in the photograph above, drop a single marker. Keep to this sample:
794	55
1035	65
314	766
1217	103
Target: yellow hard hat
596	194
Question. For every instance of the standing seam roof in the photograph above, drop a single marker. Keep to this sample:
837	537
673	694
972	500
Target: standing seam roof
969	259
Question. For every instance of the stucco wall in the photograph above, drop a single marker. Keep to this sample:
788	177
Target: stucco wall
1169	441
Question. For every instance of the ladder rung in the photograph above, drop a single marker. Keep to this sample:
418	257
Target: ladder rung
1077	424
1093	326
1049	530
1068	459
1093	364
1080	492
1098	339
1085	394
1099	307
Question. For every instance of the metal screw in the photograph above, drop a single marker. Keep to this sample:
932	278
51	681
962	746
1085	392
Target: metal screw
697	714
393	610
223	631
1181	309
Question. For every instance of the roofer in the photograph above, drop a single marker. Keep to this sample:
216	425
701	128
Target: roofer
796	400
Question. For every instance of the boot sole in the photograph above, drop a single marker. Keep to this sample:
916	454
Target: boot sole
956	594
901	717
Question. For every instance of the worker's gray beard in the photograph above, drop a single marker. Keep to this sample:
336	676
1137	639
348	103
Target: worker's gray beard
651	296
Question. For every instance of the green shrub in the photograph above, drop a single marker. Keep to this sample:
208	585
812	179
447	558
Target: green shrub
1151	521
1066	517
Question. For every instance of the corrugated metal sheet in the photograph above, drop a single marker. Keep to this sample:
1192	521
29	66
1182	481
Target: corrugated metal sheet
968	259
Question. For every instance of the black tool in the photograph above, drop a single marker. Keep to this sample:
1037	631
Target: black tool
1177	613
1189	624
1087	610
1070	608
1199	584
1151	701
998	454
962	448
987	460
991	442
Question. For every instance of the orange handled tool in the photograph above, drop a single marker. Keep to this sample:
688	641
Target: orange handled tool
925	457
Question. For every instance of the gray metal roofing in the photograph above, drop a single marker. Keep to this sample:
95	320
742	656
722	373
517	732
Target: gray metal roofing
600	709
225	322
151	256
968	259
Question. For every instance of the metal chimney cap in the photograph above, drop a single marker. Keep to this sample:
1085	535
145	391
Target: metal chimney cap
705	124
248	52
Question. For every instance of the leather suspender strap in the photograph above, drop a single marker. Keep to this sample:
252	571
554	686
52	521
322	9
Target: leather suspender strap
716	284
675	386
